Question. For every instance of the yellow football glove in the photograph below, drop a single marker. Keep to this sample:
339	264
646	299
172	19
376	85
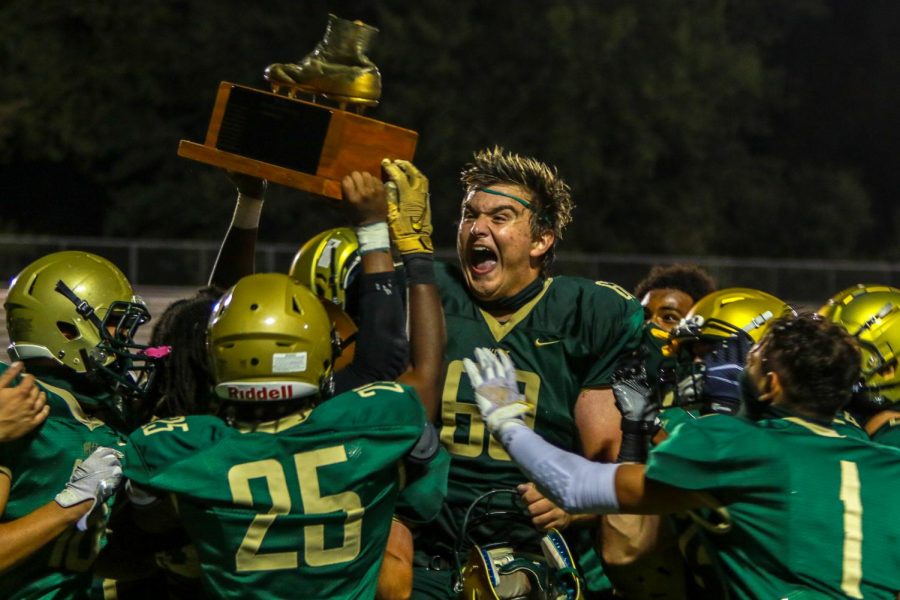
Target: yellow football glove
409	211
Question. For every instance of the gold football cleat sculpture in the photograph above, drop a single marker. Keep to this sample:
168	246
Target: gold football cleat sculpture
337	68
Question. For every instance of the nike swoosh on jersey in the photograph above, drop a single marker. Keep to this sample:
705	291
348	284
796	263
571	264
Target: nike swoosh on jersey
538	343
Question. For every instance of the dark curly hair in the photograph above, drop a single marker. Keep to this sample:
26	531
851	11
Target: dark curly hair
690	279
183	378
816	360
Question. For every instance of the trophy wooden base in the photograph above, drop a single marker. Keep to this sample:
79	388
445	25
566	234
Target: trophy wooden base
295	143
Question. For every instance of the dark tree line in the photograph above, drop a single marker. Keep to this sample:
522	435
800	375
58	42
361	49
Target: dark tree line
715	127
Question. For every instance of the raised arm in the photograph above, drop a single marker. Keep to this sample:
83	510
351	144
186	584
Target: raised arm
409	215
382	350
237	254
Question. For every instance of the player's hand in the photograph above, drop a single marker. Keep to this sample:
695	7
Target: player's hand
640	413
23	406
248	185
496	391
96	480
633	395
365	197
409	209
721	376
544	513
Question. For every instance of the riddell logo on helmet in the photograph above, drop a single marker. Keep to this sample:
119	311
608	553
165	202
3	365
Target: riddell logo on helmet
264	391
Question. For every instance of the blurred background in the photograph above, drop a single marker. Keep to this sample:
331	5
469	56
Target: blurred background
756	137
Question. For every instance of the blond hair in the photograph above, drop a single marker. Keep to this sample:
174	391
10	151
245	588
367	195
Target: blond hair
551	199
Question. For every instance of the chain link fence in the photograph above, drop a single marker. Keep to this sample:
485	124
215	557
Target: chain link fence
165	270
187	264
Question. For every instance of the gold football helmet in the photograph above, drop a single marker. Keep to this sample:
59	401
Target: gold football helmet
329	265
45	322
270	338
721	326
498	571
346	331
79	310
871	313
731	311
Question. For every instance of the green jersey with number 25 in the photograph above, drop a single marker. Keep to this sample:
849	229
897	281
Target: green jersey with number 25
299	507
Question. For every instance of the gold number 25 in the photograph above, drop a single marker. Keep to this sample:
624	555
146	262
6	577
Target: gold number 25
248	556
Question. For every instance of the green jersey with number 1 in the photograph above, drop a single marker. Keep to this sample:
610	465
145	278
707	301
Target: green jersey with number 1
38	466
803	511
299	507
565	339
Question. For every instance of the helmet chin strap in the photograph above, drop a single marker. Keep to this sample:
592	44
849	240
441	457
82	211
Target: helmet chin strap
81	306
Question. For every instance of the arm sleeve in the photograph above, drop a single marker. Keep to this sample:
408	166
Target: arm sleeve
382	348
572	481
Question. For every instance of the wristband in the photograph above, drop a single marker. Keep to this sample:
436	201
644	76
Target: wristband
419	268
247	212
373	237
633	448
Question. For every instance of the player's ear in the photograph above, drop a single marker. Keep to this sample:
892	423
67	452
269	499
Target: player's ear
771	387
542	243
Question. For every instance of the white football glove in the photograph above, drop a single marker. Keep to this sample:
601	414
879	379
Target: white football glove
496	392
95	479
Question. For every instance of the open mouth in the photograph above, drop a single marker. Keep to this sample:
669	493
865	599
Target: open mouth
482	260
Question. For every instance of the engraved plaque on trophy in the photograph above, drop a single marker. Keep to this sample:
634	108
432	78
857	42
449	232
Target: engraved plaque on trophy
303	144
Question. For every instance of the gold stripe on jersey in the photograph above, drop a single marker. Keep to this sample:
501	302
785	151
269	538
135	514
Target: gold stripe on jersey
78	413
498	329
276	426
814	427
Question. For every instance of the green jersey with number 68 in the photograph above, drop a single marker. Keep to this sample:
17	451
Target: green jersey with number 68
802	510
38	466
298	507
567	338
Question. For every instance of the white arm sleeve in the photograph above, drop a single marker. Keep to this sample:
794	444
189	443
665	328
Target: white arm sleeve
573	482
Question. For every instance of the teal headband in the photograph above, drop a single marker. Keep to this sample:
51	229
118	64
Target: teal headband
521	201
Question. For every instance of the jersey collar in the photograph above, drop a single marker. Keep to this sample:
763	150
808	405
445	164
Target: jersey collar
498	329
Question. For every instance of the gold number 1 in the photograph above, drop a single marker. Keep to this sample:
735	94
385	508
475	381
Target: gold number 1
853	536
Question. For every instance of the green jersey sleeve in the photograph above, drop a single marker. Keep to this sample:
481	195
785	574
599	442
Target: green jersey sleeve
161	454
710	453
422	498
614	322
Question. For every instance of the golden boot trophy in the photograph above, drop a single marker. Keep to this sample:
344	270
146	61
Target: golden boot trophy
301	144
337	68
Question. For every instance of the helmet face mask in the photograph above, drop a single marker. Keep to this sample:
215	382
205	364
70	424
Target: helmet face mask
270	339
497	570
79	311
732	316
871	314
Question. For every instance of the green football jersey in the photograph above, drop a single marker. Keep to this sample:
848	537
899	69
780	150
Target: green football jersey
299	507
565	339
39	466
802	510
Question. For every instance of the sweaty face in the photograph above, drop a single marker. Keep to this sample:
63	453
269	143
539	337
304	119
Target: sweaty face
494	242
666	307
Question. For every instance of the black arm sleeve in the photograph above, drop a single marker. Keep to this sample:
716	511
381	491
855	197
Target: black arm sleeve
382	347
